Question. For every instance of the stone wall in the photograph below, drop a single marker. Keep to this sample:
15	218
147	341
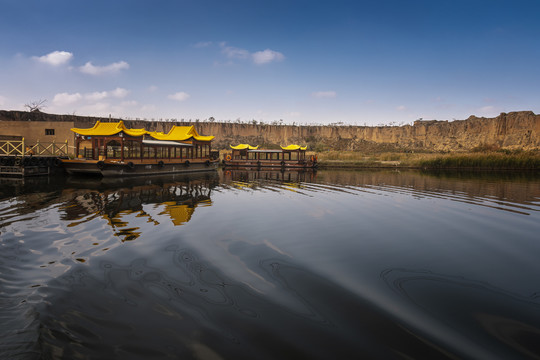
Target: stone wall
515	130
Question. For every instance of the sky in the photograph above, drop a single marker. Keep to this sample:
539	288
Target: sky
359	62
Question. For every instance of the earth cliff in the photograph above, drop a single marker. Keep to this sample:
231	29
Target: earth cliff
514	130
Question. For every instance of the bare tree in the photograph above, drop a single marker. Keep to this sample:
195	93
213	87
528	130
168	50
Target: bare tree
36	106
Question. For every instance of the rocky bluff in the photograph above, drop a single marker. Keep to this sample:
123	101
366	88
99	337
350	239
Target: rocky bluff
514	130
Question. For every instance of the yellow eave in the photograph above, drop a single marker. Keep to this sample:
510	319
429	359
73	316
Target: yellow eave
294	147
109	129
244	146
180	133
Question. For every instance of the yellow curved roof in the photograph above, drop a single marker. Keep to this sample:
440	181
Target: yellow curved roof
244	146
294	147
108	129
180	133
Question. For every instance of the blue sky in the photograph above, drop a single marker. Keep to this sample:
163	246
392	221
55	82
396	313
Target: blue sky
303	61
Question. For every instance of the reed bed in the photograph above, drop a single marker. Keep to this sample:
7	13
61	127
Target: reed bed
497	160
493	160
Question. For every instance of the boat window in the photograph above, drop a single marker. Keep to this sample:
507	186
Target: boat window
162	152
205	150
132	149
113	150
149	152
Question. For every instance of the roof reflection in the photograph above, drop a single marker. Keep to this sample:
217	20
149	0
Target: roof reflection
120	201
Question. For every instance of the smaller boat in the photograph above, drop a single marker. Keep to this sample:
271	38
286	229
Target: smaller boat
291	157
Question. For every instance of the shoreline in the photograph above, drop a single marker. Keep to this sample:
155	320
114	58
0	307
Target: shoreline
470	161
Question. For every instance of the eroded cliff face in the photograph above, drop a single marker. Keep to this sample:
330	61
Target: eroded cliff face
515	130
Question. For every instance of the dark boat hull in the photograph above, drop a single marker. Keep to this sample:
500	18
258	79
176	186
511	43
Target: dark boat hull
271	164
117	168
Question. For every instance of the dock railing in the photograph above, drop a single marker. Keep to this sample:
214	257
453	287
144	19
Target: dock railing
20	148
12	147
48	149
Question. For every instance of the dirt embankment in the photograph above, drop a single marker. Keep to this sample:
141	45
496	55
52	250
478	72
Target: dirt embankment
515	130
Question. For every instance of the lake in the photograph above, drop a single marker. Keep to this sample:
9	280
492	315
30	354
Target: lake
235	264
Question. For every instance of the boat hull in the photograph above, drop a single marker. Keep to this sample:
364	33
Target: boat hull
270	164
117	168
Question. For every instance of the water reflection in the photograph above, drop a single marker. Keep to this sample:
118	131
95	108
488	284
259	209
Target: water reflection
271	265
187	307
286	176
118	201
478	312
269	179
514	192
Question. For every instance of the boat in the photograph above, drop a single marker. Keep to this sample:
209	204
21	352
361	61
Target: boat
291	157
111	149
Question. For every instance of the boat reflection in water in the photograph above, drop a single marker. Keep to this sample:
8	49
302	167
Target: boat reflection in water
289	176
120	199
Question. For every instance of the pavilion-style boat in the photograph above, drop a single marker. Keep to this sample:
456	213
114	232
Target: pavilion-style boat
111	149
291	157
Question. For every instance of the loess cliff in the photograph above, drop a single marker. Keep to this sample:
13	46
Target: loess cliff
514	130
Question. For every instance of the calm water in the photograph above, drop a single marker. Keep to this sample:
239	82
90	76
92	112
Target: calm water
269	265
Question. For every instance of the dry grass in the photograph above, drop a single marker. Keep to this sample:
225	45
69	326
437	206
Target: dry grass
475	160
489	160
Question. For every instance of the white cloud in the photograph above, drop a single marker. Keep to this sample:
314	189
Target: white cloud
55	58
266	56
100	95
91	69
119	93
179	96
235	53
259	57
153	88
2	100
401	108
324	94
96	96
95	103
66	99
